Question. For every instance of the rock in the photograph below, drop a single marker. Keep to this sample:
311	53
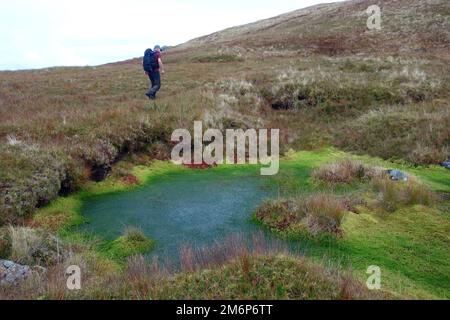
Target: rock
446	164
397	175
12	273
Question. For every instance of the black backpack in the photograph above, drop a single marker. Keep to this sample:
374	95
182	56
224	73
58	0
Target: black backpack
150	62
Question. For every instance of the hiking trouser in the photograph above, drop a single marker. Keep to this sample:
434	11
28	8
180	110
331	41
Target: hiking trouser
155	79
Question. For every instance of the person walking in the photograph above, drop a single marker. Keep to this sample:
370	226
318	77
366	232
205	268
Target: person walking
153	67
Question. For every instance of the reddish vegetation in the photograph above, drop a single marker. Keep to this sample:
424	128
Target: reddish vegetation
202	166
130	180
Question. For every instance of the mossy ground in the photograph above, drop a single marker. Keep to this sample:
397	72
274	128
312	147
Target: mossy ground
122	247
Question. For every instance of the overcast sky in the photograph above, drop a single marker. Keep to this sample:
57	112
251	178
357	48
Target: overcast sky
44	33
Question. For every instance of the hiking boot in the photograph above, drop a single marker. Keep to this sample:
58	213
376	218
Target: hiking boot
150	96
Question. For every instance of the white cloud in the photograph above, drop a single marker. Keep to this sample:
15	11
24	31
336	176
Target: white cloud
45	33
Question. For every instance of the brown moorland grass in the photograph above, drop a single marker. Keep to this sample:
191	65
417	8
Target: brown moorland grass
227	271
391	195
346	172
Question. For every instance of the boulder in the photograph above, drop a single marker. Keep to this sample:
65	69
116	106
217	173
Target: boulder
446	164
12	273
397	175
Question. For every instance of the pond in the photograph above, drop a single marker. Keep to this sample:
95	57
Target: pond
195	208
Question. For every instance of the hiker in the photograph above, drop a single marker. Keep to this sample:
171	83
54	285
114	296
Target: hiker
153	66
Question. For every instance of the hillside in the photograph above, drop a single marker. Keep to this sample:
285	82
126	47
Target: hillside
317	74
339	28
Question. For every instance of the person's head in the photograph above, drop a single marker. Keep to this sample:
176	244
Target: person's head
157	48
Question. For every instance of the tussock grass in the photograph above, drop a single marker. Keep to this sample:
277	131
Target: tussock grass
324	214
392	195
314	215
34	247
346	172
132	242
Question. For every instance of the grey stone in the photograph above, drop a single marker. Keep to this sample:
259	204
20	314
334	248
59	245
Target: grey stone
398	175
12	273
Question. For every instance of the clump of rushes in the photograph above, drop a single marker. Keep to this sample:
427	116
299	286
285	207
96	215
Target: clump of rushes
392	195
132	242
314	215
346	172
323	213
30	246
